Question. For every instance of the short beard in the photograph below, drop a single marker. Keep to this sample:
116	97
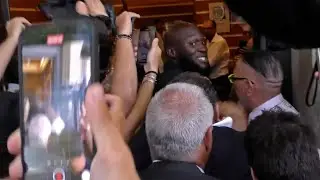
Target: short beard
189	65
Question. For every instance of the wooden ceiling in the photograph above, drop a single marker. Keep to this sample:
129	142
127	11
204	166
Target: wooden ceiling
188	10
148	9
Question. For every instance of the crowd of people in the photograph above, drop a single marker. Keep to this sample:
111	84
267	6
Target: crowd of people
170	125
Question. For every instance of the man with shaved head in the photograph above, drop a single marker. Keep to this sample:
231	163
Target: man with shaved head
257	81
185	50
179	133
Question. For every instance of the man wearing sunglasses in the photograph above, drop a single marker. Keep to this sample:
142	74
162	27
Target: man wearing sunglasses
257	82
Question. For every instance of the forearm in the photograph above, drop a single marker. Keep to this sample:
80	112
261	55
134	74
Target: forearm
124	78
139	109
7	49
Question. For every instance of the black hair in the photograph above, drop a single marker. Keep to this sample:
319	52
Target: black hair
207	32
281	147
264	63
197	79
214	24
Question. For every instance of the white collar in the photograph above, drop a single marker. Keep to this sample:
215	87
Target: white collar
200	169
266	106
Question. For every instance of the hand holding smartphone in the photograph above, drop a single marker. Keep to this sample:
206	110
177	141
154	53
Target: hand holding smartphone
143	40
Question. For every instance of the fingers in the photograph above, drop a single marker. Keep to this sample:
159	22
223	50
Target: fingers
14	143
155	43
97	113
133	15
25	21
114	103
15	168
82	8
317	75
78	164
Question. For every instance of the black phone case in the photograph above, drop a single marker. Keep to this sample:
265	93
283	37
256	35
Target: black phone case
37	34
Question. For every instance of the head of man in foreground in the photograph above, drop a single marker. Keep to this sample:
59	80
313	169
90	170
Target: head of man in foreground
178	124
281	147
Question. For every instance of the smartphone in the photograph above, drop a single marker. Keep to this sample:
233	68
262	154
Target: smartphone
57	62
146	37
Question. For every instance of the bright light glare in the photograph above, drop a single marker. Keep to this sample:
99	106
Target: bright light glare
58	125
85	175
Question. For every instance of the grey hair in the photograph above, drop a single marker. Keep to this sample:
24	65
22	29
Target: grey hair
264	63
177	120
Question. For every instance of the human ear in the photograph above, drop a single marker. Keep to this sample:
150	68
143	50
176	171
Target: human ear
172	53
208	140
250	87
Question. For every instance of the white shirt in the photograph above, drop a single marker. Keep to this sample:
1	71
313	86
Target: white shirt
277	103
218	55
200	169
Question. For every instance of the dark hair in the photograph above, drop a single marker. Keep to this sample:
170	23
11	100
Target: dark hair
172	29
197	79
214	24
158	21
281	147
264	63
207	32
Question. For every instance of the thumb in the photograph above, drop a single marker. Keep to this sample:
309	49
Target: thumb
97	113
155	43
82	8
115	105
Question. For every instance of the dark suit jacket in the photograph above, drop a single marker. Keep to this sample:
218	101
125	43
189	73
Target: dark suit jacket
167	170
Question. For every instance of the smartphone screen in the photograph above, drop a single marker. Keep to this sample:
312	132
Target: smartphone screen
56	67
146	37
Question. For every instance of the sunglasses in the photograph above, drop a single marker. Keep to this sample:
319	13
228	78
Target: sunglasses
232	78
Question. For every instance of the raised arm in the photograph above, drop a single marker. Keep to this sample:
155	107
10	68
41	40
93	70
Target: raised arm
124	79
145	92
14	28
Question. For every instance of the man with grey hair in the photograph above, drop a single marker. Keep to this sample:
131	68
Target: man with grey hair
257	81
179	133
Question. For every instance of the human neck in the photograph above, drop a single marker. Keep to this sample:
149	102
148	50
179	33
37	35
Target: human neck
257	101
199	159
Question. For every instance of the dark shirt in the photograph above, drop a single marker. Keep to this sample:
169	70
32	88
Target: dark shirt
170	170
228	160
171	70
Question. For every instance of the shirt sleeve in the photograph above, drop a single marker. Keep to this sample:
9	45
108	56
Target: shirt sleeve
291	21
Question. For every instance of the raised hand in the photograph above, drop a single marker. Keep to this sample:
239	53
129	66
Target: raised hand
154	57
91	7
15	27
124	23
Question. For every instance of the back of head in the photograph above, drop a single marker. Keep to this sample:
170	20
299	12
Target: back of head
265	64
177	120
201	81
281	147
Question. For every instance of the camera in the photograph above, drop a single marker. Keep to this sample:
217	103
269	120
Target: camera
104	25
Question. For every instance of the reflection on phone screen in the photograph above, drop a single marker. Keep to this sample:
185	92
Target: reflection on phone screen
54	82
